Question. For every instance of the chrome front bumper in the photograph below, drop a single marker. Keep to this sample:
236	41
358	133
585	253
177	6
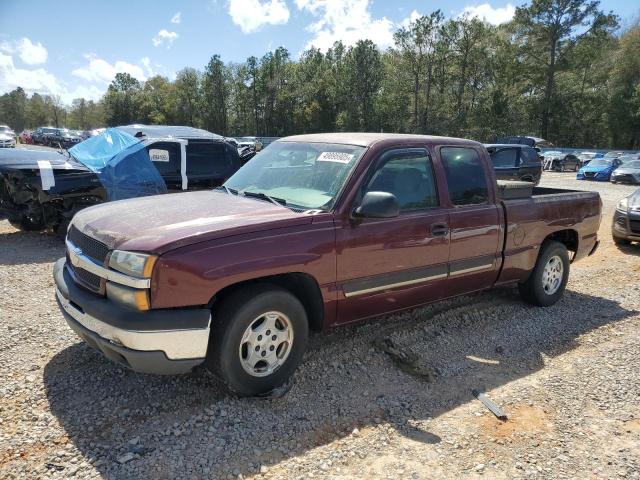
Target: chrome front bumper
175	344
154	341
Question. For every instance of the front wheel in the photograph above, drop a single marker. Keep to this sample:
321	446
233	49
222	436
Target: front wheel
620	241
549	277
258	339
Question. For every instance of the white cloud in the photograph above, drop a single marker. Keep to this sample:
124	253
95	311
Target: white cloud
39	80
486	12
98	70
164	37
250	15
177	18
415	15
345	20
29	52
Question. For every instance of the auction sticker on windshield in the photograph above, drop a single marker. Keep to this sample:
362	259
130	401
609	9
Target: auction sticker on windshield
338	157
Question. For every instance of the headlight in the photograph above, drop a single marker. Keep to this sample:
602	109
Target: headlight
138	265
623	205
129	297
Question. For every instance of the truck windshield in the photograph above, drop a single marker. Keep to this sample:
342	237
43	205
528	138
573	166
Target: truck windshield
305	175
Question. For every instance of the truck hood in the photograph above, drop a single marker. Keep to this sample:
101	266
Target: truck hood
27	159
164	222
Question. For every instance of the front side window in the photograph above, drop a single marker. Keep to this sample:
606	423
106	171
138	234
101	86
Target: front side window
504	158
408	175
465	175
305	175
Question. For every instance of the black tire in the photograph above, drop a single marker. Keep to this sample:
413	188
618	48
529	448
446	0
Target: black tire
621	241
532	290
26	224
235	314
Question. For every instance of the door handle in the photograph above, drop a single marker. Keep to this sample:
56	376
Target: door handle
439	230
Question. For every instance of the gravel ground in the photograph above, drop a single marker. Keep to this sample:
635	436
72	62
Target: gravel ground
568	377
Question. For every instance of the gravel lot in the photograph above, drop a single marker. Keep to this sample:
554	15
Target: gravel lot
568	377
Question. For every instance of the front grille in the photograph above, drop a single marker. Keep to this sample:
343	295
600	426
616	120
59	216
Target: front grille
90	246
634	225
88	279
94	249
625	178
589	174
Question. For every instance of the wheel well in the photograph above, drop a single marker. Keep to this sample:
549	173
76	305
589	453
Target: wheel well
567	237
302	285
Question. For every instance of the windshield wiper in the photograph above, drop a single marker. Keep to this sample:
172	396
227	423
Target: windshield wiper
231	191
264	196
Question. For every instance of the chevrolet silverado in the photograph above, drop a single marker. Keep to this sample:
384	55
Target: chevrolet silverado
314	232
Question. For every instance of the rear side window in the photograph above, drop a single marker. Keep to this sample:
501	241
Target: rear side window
407	174
529	155
465	176
504	158
207	158
165	156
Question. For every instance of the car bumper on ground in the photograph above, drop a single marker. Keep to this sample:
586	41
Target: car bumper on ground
626	226
153	341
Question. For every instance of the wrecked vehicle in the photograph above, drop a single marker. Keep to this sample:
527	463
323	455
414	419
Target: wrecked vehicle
316	231
44	189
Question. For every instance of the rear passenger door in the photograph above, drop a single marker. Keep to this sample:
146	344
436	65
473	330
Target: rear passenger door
166	158
209	164
474	218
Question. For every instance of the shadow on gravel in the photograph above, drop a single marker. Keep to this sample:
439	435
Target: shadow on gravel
632	249
131	425
19	248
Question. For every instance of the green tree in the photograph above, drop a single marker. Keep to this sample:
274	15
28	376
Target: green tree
548	32
215	93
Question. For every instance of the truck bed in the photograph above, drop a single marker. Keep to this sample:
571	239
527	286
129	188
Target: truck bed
532	218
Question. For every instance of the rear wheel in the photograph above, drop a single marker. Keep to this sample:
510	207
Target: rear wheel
258	339
548	280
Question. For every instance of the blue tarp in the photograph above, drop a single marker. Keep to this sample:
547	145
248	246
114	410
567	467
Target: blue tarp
121	163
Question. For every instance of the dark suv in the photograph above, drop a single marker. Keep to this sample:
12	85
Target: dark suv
41	135
63	137
515	162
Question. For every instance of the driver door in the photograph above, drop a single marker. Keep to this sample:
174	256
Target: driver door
386	264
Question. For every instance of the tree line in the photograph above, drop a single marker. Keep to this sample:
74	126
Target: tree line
561	70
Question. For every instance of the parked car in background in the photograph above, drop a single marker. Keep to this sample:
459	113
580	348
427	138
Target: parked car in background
613	154
317	231
41	135
628	172
560	161
44	189
25	137
586	157
599	169
625	227
515	162
249	142
7	137
63	137
534	142
629	157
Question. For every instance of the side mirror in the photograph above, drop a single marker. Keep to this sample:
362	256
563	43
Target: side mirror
378	205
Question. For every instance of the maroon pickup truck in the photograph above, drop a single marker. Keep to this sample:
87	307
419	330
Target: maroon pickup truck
316	231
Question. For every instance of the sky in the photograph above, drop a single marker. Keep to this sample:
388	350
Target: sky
74	48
